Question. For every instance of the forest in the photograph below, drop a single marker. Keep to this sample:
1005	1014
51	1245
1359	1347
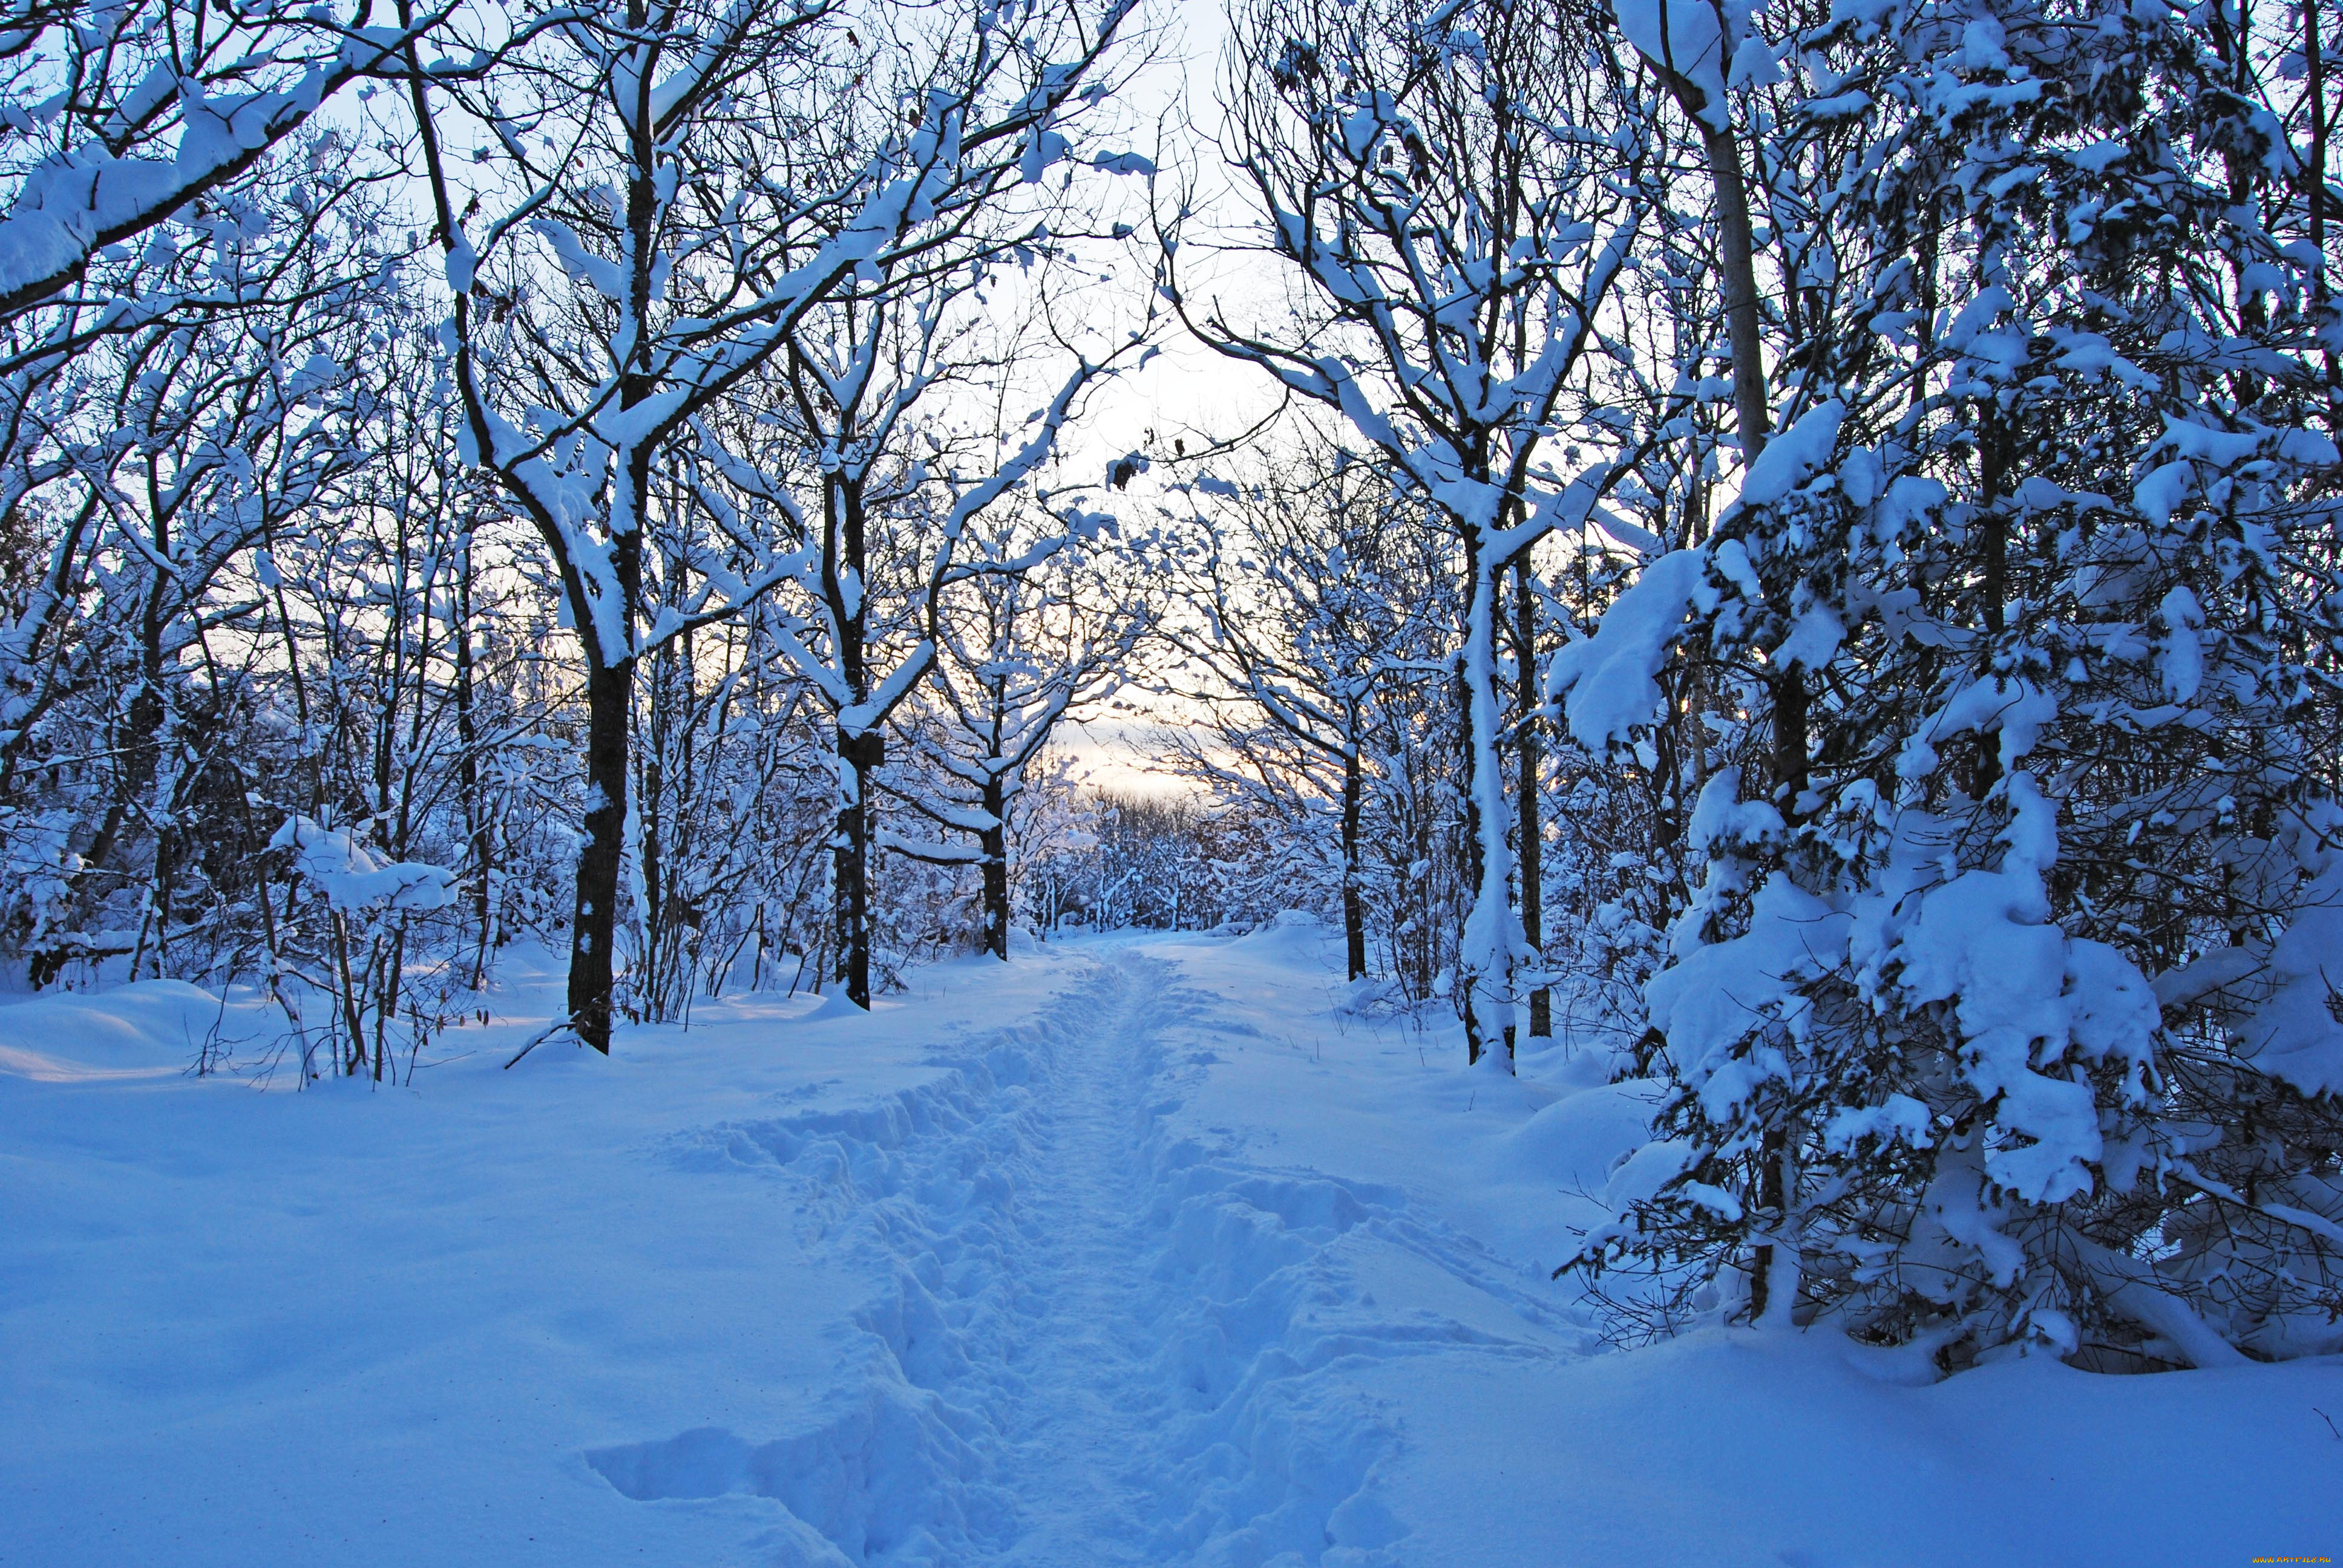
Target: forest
1790	549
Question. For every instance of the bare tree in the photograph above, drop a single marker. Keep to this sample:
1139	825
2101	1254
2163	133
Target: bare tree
1026	639
706	175
1450	189
116	118
1304	594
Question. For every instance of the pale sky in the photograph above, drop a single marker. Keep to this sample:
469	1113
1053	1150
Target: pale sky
1187	389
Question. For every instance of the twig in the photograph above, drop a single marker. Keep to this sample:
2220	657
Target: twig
550	1030
2328	1419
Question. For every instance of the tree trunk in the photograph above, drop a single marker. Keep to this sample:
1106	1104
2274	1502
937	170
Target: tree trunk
610	677
858	756
355	1057
2314	52
387	1007
1737	255
1464	980
609	701
1484	969
1993	529
1533	867
481	840
845	580
995	843
1773	1279
1354	908
657	985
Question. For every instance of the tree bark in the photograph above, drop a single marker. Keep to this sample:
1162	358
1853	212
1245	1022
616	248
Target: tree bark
1465	980
1531	858
859	756
609	702
1737	258
610	680
1354	908
2314	52
1993	455
994	841
482	842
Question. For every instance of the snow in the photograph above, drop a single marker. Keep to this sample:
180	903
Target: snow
352	878
68	204
2029	1000
1706	1003
1138	1250
2294	1032
1794	455
151	1029
2015	708
1684	37
1609	683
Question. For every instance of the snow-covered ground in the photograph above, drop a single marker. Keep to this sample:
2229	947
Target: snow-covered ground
1137	1251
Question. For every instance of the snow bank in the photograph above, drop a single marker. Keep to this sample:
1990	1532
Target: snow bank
152	1028
1296	936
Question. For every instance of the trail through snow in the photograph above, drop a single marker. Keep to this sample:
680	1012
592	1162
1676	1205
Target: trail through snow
1079	1406
1137	1253
1103	1337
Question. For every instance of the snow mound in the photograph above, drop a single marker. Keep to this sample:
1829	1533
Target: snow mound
1290	936
1574	1143
151	1029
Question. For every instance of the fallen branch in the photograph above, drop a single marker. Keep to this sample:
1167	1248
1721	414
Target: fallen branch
557	1026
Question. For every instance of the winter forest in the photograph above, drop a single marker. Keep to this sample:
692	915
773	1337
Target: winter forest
1244	757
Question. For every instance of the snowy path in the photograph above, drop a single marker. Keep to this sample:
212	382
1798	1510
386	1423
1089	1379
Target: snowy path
1078	1405
1135	1253
1099	1343
1106	1342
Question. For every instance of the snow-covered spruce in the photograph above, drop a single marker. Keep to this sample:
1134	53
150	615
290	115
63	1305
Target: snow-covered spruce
1989	1019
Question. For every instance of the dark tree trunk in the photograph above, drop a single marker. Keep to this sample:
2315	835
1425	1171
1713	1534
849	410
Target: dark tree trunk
860	755
1789	694
1532	868
1354	908
611	674
654	987
1789	697
2314	53
845	581
1752	414
593	959
1789	689
482	840
994	841
1993	528
353	1057
1465	984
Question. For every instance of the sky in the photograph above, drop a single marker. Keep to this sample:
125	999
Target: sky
1112	753
1186	391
